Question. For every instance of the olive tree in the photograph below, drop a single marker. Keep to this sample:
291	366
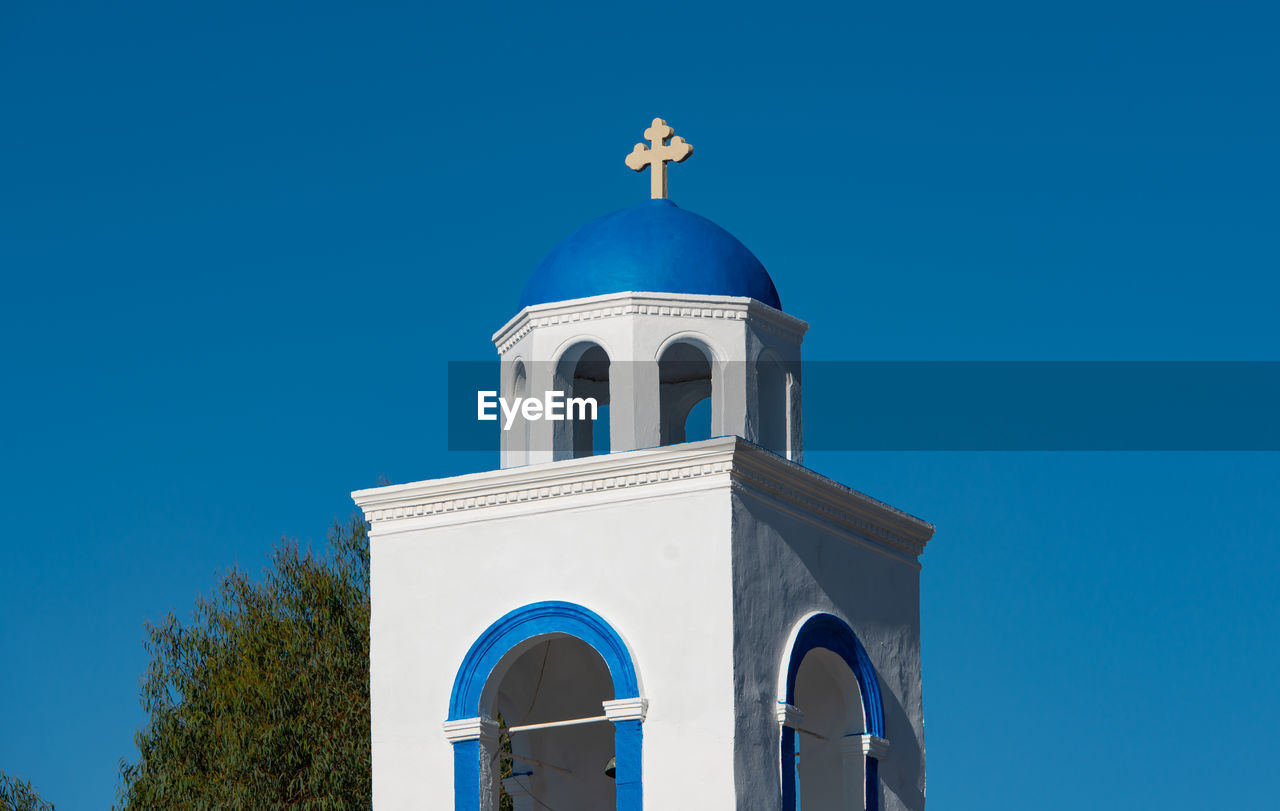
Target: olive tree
261	699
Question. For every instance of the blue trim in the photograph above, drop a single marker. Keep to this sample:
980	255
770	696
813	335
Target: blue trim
628	737
466	772
834	634
540	619
830	632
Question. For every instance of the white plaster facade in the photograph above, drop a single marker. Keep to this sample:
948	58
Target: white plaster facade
703	556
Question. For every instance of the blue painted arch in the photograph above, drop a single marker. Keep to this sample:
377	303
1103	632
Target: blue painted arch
834	634
528	622
827	631
507	634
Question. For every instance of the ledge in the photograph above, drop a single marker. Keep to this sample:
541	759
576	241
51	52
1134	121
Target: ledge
626	709
677	305
789	715
550	480
723	462
470	729
866	745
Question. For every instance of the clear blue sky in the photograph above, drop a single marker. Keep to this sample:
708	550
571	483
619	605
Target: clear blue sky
240	241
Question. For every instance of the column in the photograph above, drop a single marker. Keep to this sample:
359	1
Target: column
869	749
627	715
790	718
474	740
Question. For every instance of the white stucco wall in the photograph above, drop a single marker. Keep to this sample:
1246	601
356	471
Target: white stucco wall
702	556
656	567
787	564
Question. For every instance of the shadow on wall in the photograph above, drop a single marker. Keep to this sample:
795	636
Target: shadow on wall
878	594
906	754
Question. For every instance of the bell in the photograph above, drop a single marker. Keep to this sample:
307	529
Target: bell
611	768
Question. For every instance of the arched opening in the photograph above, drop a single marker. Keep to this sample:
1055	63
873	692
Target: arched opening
829	770
582	373
772	418
532	668
517	437
832	719
684	394
540	765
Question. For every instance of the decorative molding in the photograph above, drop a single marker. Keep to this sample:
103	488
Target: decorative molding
790	715
668	305
522	492
723	461
470	729
815	494
626	709
866	744
527	622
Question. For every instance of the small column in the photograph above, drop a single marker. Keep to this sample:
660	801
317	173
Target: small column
733	405
863	753
541	443
627	715
633	405
790	718
795	415
474	741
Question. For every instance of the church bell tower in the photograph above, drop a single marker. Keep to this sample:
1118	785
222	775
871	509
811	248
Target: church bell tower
660	607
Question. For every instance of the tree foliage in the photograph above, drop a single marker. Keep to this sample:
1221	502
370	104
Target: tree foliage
262	699
18	795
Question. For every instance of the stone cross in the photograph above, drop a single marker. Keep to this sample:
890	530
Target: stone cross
657	154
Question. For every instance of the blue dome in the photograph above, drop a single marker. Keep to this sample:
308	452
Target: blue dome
654	247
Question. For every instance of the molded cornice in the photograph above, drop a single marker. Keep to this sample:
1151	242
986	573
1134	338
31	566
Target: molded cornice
684	305
724	462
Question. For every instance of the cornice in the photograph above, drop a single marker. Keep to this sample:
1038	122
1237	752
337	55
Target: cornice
548	481
668	305
471	729
626	709
789	715
757	470
866	745
722	462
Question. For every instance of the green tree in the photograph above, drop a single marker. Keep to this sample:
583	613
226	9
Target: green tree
18	795
262	699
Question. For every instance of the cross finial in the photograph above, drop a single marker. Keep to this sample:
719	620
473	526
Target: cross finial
656	155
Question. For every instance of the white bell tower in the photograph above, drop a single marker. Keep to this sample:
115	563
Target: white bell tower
626	619
624	347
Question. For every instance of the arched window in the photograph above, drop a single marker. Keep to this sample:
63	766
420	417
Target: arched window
564	686
832	719
684	394
772	394
583	372
517	438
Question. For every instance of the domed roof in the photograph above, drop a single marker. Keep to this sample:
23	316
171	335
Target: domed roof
654	247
